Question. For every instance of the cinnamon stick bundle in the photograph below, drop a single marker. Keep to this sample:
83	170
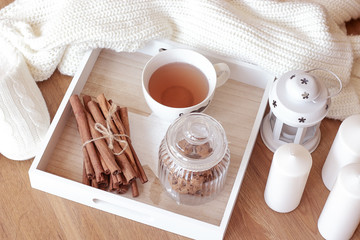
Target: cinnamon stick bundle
109	156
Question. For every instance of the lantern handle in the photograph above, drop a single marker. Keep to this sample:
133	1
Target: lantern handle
332	73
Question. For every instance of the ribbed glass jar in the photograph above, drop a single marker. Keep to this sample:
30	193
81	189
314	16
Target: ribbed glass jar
193	159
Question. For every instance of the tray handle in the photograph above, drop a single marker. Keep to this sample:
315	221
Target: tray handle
135	213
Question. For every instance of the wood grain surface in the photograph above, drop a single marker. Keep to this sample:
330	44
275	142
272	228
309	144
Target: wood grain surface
27	213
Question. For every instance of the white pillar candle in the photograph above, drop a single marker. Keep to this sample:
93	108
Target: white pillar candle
287	178
341	213
344	150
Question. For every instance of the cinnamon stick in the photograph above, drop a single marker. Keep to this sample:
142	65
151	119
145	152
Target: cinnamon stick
142	174
104	106
118	123
105	184
122	179
94	184
85	135
129	153
125	119
85	178
111	183
89	170
86	99
119	179
134	188
116	182
103	164
123	188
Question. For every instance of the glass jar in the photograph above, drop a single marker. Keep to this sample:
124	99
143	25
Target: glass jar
193	159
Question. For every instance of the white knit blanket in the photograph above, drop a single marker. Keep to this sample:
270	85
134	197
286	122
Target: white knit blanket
276	35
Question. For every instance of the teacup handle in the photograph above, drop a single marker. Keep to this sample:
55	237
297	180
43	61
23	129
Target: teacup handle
222	73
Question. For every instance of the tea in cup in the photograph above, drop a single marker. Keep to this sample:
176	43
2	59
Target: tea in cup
179	81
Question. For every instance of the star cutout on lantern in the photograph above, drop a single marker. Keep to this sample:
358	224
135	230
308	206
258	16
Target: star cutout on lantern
304	81
274	104
302	120
305	95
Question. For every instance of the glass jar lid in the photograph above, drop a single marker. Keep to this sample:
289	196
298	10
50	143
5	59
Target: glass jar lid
196	141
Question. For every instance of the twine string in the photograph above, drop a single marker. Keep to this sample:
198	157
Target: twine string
108	134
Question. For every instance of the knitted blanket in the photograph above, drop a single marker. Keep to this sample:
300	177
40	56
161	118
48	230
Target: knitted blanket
276	35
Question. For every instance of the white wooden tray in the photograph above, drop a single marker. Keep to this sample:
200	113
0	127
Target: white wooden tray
239	105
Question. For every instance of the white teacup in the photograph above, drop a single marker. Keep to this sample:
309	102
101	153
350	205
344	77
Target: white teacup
214	74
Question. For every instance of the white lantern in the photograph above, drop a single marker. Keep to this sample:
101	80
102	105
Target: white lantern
298	102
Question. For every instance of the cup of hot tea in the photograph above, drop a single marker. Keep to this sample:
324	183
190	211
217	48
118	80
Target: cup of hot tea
179	81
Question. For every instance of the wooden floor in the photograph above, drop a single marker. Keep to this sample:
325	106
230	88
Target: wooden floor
26	213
